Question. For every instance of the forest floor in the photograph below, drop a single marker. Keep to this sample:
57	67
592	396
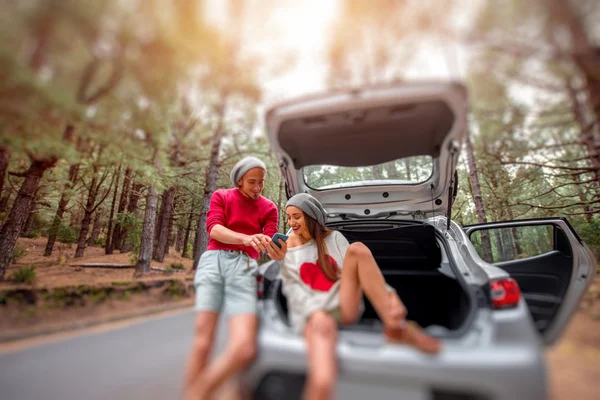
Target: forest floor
68	296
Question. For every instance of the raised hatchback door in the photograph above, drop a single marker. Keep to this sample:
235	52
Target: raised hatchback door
374	150
549	261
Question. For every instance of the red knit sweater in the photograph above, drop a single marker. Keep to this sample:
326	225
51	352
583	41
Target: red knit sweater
233	210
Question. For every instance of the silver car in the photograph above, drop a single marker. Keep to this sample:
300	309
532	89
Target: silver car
382	160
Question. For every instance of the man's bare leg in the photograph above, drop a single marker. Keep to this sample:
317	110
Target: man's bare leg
204	331
240	351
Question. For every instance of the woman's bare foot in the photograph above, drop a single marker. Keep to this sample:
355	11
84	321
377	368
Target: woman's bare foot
412	334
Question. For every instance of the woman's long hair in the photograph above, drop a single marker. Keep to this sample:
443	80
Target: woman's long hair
319	233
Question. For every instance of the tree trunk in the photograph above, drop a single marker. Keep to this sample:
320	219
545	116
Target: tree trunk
4	205
26	229
158	220
212	175
586	131
131	208
44	27
95	230
170	237
87	218
188	229
4	201
179	240
163	234
587	57
117	234
4	160
10	229
392	172
478	199
173	236
515	236
62	206
108	246
407	169
378	172
145	256
90	207
280	194
587	211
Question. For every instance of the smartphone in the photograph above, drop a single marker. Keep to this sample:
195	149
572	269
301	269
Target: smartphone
278	236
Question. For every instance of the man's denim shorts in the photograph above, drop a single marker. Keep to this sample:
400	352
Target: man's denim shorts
226	278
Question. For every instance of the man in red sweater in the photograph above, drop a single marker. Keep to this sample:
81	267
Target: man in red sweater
240	223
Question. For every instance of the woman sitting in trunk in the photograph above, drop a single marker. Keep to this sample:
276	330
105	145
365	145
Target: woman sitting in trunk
324	278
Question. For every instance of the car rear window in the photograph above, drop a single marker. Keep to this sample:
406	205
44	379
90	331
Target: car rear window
404	171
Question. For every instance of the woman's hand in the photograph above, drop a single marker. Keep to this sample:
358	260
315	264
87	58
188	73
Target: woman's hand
275	252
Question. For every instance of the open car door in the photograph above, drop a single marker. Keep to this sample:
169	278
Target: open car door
549	261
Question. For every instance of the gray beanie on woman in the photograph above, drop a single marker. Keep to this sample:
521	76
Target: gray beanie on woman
243	166
311	206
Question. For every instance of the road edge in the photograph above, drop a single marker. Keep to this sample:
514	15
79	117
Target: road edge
11	338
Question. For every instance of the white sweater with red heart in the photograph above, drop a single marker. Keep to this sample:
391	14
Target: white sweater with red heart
305	286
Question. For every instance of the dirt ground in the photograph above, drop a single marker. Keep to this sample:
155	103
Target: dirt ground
573	363
61	269
109	293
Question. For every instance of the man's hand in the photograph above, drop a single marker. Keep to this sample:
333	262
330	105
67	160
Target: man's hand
259	242
275	252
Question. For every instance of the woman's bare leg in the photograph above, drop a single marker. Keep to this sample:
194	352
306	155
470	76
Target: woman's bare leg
321	337
361	273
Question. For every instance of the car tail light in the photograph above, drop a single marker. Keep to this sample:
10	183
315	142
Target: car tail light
505	293
260	286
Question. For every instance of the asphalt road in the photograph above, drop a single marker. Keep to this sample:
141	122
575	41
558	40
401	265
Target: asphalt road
141	361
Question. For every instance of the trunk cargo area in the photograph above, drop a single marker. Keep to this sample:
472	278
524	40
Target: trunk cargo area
412	263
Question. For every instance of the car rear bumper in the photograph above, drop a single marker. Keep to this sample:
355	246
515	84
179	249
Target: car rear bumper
385	371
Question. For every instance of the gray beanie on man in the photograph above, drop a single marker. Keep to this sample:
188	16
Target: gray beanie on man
243	166
311	206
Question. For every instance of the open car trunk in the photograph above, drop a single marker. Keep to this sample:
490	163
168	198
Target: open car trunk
415	265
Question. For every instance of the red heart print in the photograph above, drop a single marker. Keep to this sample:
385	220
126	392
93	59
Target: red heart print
313	276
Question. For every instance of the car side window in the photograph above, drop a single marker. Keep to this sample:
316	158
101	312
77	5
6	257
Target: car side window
496	245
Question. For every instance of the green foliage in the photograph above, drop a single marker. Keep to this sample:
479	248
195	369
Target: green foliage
175	289
177	266
65	233
62	297
125	295
100	241
37	227
100	295
190	250
18	253
515	243
590	233
24	275
133	226
77	296
412	169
